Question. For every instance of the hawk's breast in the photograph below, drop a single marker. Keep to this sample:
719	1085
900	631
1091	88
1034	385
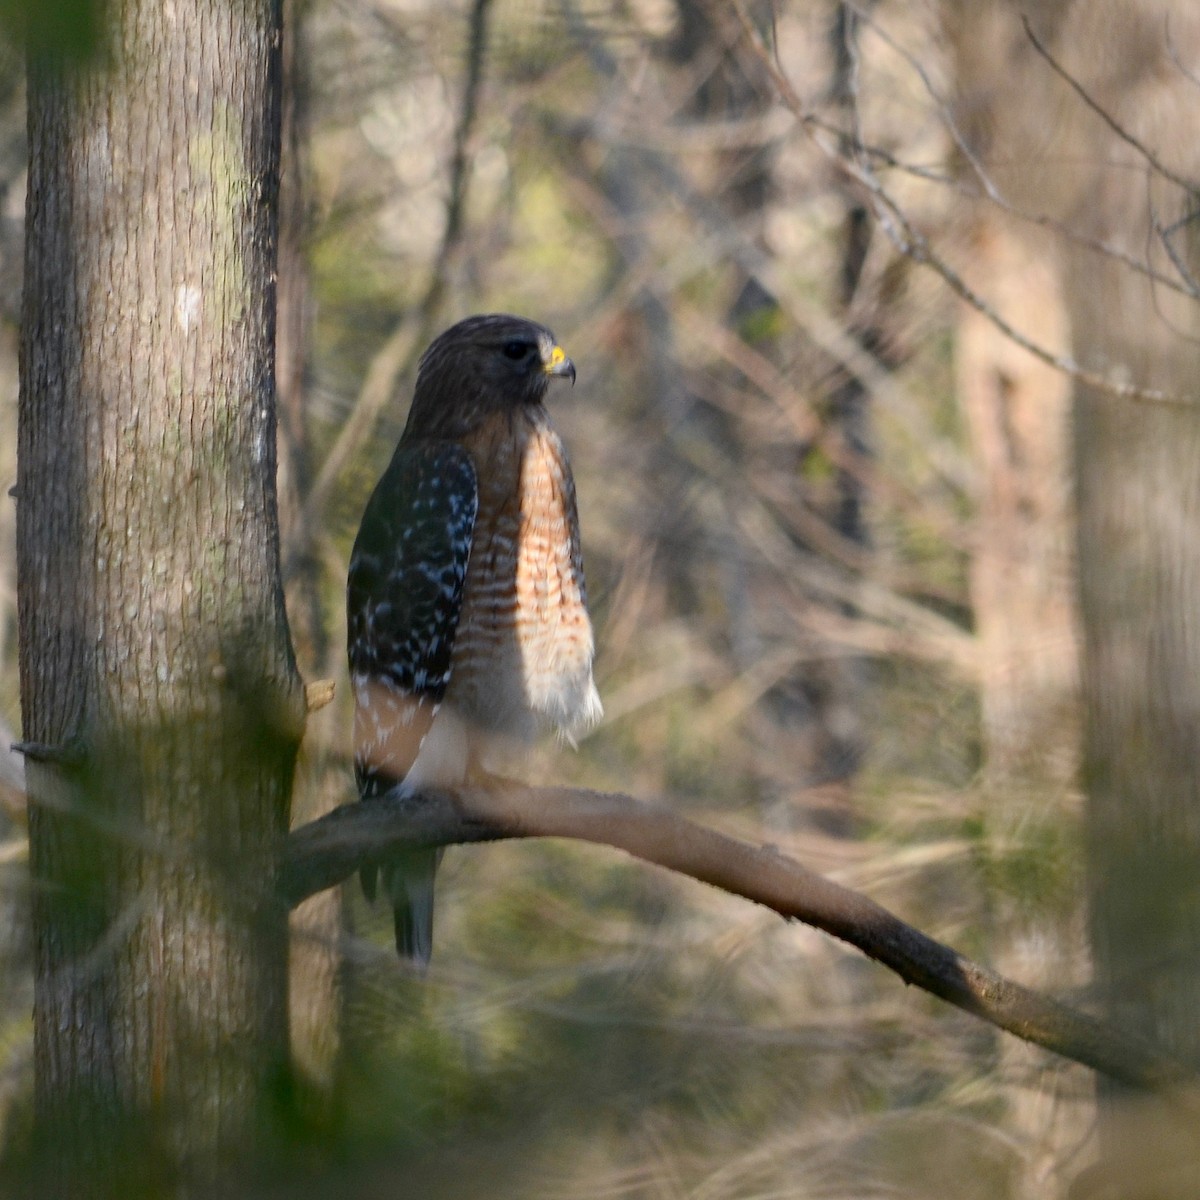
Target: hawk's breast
524	649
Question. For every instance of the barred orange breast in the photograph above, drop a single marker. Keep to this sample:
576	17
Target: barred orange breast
524	648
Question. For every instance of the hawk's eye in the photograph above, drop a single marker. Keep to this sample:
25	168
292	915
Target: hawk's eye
517	350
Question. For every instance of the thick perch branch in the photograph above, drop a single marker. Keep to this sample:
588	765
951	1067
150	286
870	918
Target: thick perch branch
324	852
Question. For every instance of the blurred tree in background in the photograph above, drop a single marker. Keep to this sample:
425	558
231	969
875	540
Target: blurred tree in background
829	528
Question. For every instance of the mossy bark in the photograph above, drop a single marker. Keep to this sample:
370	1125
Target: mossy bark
159	693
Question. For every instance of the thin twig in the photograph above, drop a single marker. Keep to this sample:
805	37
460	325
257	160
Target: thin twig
1184	69
915	246
1166	235
993	193
1128	138
390	361
1187	186
398	354
460	164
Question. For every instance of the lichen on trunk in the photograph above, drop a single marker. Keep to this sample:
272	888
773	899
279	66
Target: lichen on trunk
159	694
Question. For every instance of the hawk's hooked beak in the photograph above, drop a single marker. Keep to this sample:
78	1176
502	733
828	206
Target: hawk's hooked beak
560	364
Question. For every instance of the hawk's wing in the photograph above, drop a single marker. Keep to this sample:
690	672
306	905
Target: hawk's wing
403	600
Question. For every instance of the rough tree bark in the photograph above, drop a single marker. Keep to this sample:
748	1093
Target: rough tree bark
1139	500
1138	487
160	701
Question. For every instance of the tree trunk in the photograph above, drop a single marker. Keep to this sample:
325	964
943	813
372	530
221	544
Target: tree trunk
1016	407
1138	489
160	700
1017	412
1138	475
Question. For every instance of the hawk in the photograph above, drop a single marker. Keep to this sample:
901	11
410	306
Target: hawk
468	626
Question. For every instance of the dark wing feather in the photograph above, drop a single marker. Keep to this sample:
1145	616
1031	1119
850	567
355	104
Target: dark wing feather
403	598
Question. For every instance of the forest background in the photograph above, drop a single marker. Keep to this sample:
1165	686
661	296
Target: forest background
835	279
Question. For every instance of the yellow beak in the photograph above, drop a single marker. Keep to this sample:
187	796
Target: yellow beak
560	364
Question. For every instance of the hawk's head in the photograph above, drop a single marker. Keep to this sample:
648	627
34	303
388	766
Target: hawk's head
483	364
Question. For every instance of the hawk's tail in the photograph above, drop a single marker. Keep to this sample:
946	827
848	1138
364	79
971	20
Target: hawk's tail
408	882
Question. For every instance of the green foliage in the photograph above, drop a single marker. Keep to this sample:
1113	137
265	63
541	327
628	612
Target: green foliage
1033	864
58	34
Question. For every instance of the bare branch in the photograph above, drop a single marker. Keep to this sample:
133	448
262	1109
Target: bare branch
915	245
1166	235
1128	138
324	852
461	162
1186	285
397	355
1187	186
910	242
1173	51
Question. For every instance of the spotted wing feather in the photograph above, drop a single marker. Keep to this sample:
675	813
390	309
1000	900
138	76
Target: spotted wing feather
404	597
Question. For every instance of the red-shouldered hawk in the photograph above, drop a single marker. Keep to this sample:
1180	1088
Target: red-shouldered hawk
467	612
